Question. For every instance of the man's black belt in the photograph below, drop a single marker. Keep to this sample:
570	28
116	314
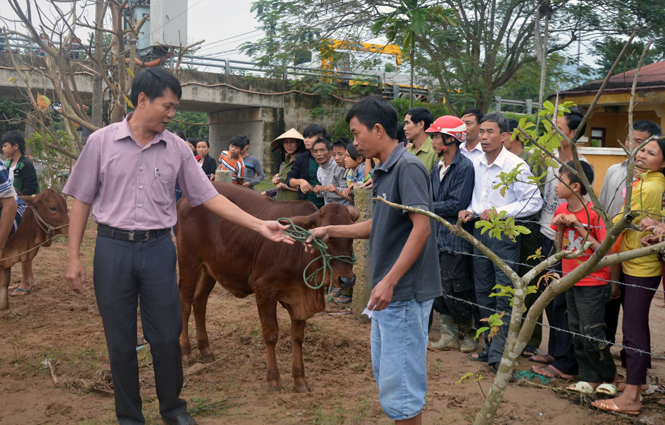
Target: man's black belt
129	235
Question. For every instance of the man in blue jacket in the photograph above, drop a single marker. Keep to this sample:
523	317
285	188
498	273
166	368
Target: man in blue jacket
452	185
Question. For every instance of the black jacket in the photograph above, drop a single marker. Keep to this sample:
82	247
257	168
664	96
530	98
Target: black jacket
299	170
25	177
209	165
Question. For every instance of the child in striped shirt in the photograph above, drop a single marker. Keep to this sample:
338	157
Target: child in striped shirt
230	160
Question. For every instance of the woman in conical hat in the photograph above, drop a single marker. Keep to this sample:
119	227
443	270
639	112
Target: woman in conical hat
291	144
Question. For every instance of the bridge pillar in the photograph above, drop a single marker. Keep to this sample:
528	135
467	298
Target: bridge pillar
259	124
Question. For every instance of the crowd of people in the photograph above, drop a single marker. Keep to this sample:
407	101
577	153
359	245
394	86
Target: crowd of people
450	166
464	158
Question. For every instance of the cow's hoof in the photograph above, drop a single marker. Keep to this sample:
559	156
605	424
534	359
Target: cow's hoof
187	361
7	314
275	388
207	358
302	387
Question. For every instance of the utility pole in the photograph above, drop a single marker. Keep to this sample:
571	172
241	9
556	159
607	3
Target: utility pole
97	96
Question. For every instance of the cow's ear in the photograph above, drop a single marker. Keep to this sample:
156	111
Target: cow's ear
32	200
355	214
305	221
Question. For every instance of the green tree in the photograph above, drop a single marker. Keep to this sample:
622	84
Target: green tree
466	62
409	21
607	49
189	123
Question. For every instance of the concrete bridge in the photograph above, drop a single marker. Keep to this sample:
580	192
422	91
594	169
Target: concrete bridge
260	108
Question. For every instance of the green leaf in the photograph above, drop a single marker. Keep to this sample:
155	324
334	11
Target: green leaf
481	331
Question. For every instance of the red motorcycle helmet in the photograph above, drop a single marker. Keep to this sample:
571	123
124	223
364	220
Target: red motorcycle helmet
449	125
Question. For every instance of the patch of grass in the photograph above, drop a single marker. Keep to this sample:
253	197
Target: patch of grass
342	413
264	185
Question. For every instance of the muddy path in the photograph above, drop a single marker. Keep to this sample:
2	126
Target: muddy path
57	324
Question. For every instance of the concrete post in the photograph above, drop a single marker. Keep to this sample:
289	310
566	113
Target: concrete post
363	286
223	176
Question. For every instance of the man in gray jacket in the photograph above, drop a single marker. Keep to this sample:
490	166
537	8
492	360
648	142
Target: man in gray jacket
329	174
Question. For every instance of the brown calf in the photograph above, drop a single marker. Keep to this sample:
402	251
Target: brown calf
212	249
24	244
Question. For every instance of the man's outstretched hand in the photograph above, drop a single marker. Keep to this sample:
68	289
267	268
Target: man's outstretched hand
275	232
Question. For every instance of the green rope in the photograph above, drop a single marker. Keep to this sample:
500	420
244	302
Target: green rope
301	235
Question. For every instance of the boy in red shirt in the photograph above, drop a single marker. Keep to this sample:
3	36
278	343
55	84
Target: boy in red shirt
576	223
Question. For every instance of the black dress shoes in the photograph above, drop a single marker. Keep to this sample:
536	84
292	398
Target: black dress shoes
183	419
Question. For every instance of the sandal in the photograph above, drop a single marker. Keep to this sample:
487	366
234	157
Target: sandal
551	372
610	406
607	389
343	299
580	387
19	292
546	359
480	357
529	351
335	292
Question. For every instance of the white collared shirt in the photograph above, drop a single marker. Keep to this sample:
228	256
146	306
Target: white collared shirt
521	199
443	168
472	154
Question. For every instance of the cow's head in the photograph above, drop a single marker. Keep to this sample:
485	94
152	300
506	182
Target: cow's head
334	214
52	208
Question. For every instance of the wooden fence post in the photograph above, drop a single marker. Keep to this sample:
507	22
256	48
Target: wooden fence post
223	176
363	286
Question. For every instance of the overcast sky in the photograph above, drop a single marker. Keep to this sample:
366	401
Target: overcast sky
209	20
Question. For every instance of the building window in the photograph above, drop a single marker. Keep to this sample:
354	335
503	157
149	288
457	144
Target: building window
597	138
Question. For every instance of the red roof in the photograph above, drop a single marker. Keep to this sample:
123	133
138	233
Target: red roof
652	77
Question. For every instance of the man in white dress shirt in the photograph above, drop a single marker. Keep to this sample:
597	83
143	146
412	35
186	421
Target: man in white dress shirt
471	148
522	199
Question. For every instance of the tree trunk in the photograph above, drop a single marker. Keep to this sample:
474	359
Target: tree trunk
97	96
543	68
411	85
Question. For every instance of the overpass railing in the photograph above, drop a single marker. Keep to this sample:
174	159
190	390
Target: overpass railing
21	45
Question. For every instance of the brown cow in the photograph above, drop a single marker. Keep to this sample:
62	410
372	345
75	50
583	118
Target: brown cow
212	249
23	245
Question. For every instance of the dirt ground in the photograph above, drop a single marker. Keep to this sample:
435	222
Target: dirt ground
57	324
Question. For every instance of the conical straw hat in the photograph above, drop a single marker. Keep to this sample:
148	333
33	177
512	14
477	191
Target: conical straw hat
291	134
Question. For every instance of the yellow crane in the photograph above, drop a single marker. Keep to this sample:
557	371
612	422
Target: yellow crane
333	45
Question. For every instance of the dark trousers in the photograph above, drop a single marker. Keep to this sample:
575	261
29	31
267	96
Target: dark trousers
486	275
636	333
560	345
455	281
528	247
124	272
612	310
586	312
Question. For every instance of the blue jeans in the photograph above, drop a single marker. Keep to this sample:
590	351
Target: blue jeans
399	351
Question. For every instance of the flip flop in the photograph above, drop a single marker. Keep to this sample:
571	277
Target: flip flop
343	299
19	292
335	292
610	406
482	357
529	351
607	389
580	387
546	359
553	373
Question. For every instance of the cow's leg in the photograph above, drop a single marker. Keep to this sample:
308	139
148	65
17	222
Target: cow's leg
5	276
270	329
188	280
27	276
203	288
297	336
